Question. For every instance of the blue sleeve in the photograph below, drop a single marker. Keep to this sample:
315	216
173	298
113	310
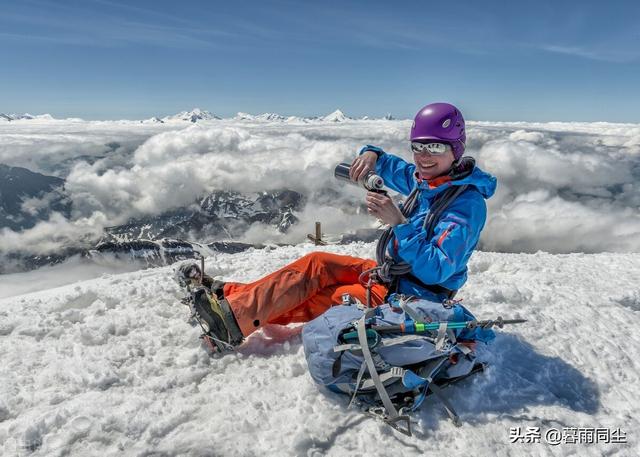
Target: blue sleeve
435	260
396	172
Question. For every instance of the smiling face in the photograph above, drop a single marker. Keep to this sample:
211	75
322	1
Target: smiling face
431	166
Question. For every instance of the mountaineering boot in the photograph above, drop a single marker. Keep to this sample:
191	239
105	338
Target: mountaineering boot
221	331
189	274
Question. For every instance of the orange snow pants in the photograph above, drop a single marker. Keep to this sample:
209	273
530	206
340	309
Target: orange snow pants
300	291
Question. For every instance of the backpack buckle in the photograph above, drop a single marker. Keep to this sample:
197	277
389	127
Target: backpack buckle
395	422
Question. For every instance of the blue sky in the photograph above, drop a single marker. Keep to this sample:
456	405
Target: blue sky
497	60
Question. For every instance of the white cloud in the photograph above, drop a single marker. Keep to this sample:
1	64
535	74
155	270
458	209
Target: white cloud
523	135
564	191
539	220
52	235
563	187
53	147
72	270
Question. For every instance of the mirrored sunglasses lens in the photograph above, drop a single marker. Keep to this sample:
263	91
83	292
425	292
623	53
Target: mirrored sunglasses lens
418	147
436	148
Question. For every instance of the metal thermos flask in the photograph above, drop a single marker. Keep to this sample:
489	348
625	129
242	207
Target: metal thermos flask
370	181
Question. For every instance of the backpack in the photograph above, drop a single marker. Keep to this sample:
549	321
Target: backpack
389	358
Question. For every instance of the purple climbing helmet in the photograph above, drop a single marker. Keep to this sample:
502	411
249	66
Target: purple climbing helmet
440	122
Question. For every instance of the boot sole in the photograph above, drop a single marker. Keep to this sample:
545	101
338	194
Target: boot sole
209	318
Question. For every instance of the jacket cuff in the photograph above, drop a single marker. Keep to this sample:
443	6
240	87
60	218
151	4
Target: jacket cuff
376	149
402	231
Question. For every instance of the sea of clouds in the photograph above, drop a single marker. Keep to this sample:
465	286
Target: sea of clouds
563	187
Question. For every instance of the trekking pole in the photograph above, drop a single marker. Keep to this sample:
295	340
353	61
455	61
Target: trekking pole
420	327
410	327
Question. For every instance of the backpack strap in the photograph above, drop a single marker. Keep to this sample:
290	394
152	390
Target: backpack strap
389	377
358	380
385	342
402	303
430	385
392	375
447	405
393	417
442	335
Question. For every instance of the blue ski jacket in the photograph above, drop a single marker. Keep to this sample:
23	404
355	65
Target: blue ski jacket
441	260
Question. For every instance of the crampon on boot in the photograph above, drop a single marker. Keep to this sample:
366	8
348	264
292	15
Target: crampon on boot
220	329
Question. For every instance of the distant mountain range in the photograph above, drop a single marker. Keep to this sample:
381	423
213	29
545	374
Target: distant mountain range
194	115
219	215
27	197
25	116
198	115
155	240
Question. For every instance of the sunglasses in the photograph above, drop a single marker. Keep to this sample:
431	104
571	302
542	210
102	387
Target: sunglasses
434	149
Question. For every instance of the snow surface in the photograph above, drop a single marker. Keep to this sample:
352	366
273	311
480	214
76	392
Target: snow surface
111	367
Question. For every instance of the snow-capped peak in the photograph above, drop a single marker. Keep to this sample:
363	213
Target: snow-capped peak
153	120
271	117
194	115
244	117
336	116
25	117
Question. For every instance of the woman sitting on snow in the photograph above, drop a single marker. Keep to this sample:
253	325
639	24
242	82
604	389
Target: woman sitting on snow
437	251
